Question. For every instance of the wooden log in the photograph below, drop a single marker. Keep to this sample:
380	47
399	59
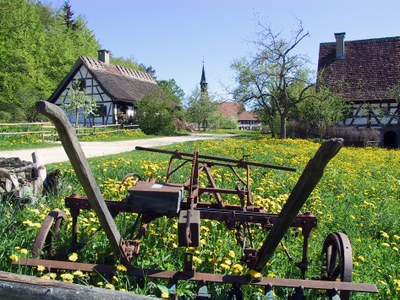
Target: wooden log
305	185
84	173
19	287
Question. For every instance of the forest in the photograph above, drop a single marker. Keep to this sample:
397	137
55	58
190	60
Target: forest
39	43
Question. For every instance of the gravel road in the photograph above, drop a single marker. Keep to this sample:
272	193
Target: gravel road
93	149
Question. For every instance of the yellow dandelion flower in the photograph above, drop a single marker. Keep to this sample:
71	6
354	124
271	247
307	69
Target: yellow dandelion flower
14	258
99	283
23	251
27	222
45	277
67	277
122	268
255	274
53	275
237	268
227	261
385	244
73	257
110	286
384	234
361	258
78	273
197	260
41	268
164	295
231	253
225	266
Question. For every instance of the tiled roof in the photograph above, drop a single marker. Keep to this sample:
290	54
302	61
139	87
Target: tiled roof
367	70
228	109
247	116
236	109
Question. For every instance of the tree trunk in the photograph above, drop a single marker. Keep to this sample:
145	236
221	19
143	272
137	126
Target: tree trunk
283	126
76	118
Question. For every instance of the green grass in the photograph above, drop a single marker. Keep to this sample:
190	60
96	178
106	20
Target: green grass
359	195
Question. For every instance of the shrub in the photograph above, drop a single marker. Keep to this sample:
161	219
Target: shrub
352	136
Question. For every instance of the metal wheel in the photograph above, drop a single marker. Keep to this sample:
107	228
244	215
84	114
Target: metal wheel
45	237
338	263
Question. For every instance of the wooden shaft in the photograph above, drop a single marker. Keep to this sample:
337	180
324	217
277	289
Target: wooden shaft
83	172
305	185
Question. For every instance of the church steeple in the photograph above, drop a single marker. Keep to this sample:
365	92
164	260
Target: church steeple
203	82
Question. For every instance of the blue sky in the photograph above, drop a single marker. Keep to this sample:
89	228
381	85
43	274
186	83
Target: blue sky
174	36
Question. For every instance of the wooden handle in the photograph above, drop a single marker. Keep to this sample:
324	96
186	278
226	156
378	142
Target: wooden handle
305	185
83	171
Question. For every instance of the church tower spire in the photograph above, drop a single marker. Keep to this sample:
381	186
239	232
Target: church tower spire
203	82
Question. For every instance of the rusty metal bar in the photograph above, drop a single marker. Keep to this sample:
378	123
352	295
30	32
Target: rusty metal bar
241	162
206	277
210	211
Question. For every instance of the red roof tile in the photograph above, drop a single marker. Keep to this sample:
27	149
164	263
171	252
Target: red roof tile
237	110
367	70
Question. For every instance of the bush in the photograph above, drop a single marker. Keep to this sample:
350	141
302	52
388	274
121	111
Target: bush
156	113
352	136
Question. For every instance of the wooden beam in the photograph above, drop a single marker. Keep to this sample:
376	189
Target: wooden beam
84	173
21	287
305	185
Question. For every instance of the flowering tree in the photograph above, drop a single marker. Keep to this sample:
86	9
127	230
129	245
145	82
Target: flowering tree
79	102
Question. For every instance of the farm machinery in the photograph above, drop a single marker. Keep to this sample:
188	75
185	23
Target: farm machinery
190	202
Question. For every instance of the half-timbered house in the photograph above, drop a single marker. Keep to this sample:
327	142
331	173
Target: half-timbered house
116	89
364	72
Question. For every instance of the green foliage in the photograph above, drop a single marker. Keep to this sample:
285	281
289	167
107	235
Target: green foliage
38	49
156	113
129	63
358	194
171	87
227	123
322	109
202	109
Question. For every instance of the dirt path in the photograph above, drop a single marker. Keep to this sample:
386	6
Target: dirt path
93	149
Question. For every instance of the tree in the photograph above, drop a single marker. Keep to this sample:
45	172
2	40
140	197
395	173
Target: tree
68	14
322	109
201	109
37	50
149	70
274	79
156	113
170	86
77	101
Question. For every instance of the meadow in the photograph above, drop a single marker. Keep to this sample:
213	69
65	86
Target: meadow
359	194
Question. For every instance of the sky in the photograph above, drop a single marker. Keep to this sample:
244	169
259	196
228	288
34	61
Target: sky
176	36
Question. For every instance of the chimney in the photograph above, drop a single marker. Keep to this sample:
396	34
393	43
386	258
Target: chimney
340	44
104	56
